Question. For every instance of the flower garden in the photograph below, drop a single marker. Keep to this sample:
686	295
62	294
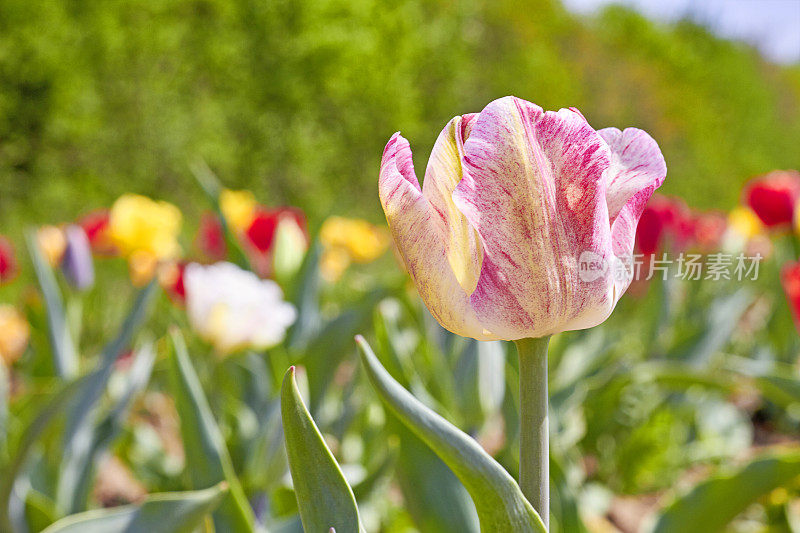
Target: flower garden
533	337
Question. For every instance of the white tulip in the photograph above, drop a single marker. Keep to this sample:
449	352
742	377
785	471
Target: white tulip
234	309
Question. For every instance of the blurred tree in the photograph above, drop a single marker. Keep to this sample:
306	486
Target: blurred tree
295	100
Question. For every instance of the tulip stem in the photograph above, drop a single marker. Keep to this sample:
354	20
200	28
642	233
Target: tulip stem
534	450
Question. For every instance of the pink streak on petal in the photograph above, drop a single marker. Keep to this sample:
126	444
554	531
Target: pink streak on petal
419	234
534	188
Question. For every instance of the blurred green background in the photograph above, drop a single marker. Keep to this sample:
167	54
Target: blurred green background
295	100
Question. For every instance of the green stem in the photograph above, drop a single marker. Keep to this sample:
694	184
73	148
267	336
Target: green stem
534	451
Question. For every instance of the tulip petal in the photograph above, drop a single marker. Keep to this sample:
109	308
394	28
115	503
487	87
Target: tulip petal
636	165
464	250
534	189
420	234
637	170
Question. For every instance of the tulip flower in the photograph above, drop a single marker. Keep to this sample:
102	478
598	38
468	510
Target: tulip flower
745	233
211	238
346	241
171	278
8	261
512	197
238	208
76	262
263	228
14	334
515	200
773	197
145	232
95	225
790	279
261	238
139	224
709	230
233	309
666	222
52	243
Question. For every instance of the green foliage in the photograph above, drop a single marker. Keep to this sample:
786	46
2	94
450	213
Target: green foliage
497	497
207	457
177	512
713	503
324	498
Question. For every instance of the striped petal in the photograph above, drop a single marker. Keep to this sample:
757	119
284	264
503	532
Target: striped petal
421	236
534	189
637	170
464	251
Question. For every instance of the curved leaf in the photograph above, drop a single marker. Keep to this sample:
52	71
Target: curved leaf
324	498
713	503
167	512
207	458
79	434
65	357
497	497
432	494
25	444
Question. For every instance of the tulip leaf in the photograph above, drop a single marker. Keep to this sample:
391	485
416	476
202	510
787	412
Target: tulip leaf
335	340
25	444
110	425
207	458
82	418
713	503
40	511
166	512
497	497
324	498
65	357
305	297
432	494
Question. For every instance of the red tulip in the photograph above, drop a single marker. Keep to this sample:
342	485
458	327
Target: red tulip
171	279
665	222
8	261
773	197
211	238
790	278
261	233
709	228
95	225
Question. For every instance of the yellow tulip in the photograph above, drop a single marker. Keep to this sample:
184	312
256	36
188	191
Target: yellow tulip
347	240
745	222
52	243
140	225
14	334
238	208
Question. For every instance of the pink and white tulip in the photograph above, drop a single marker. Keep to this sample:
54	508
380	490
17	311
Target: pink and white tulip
513	197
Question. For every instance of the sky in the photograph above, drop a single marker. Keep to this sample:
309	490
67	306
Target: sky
771	25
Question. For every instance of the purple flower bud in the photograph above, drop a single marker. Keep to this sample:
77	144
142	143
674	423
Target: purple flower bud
77	260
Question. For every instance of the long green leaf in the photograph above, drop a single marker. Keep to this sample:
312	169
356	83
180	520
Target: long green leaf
111	424
305	297
432	494
324	498
497	497
81	421
207	458
712	504
65	358
24	446
167	512
334	341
